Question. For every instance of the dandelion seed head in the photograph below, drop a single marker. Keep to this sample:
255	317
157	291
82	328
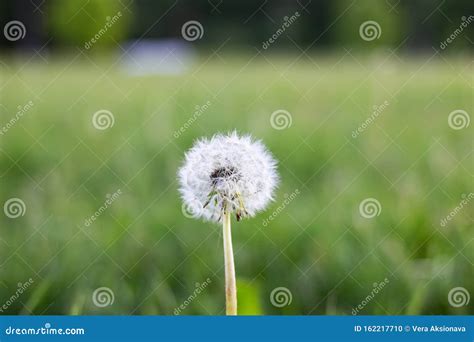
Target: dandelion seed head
227	173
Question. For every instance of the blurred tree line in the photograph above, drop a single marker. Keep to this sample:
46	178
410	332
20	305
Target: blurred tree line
321	23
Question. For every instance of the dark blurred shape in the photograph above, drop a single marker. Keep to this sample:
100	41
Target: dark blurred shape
320	24
28	13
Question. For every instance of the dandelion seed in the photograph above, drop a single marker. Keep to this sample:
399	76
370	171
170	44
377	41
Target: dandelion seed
223	176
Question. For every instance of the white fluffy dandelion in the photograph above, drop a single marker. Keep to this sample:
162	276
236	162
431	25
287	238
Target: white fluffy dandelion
225	175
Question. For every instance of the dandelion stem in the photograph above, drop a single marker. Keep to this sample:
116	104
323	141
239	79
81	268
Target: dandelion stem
230	285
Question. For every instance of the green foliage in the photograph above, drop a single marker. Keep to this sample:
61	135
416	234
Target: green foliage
73	22
249	296
390	23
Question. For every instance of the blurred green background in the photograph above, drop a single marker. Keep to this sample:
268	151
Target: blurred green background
145	250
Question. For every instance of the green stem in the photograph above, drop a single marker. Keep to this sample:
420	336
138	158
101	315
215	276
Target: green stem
230	283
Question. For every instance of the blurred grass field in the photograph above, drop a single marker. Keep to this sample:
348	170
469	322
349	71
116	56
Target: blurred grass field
319	247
